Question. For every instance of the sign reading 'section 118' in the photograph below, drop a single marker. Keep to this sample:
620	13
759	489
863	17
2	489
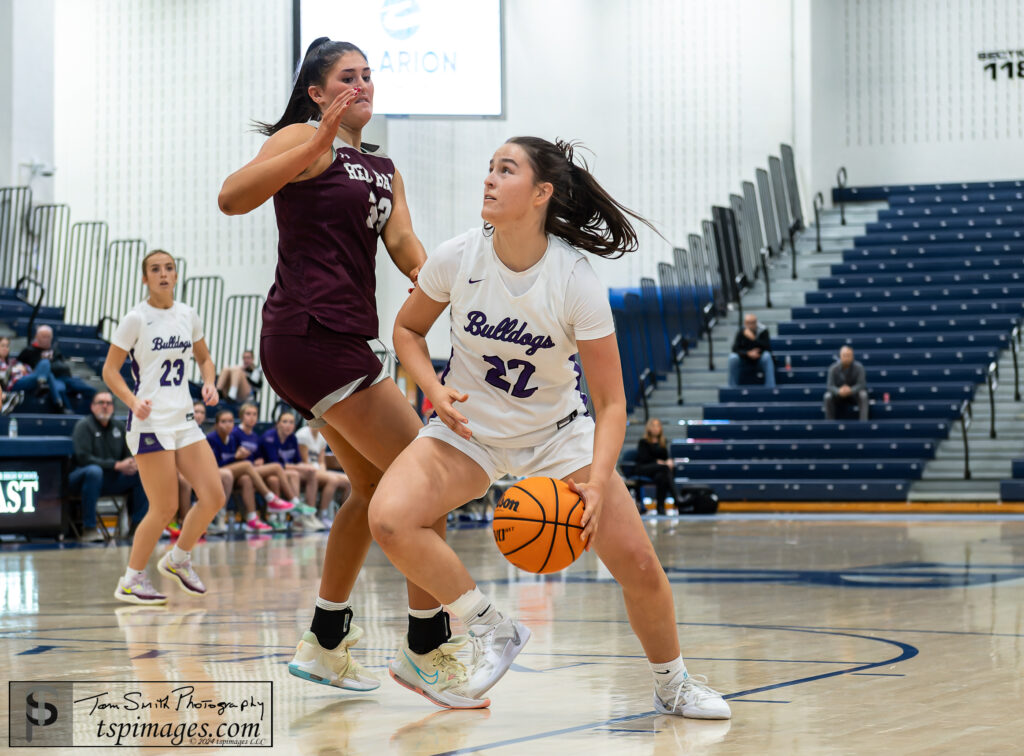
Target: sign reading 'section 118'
17	491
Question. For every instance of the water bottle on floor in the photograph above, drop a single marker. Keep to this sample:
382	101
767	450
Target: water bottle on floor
12	428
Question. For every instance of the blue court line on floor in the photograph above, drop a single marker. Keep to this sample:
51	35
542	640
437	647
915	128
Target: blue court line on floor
759	700
906	652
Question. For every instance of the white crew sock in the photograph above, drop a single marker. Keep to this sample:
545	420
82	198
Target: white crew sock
251	516
332	606
669	672
474	608
129	573
178	555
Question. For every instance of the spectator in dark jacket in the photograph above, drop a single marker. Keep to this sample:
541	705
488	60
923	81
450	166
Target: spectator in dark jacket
847	382
104	466
751	349
652	461
49	365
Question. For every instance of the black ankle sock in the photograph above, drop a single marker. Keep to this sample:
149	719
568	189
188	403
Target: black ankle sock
427	634
330	627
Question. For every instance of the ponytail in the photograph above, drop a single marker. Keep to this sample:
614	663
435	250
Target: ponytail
580	211
320	56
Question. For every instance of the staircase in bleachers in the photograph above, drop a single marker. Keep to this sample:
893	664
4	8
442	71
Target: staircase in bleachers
927	284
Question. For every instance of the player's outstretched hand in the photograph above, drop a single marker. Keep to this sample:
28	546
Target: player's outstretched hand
331	118
210	395
142	407
591	495
444	405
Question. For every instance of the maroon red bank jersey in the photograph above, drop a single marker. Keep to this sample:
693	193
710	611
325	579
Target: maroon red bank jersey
328	228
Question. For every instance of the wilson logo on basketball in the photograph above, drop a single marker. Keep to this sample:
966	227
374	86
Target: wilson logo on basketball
509	504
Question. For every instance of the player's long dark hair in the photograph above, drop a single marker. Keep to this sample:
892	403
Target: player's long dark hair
321	55
580	211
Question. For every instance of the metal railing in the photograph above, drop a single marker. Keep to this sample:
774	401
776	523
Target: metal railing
841	184
965	418
992	379
819	204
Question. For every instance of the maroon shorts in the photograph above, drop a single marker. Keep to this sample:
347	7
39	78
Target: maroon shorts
318	369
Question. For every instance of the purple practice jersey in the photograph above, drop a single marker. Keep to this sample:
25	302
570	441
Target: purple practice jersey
250	441
328	228
224	452
283	452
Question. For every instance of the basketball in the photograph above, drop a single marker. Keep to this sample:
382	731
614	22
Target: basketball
537	525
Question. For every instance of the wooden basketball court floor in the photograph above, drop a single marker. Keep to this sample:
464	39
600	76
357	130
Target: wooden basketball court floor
829	634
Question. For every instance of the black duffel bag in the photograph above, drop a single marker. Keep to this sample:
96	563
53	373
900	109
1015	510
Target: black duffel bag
696	498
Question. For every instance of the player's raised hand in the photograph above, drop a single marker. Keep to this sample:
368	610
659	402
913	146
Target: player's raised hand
591	495
210	395
331	118
444	405
142	407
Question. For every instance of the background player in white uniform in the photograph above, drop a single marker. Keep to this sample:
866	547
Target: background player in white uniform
523	301
161	336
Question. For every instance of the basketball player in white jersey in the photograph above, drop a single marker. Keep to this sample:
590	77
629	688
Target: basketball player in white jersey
161	336
523	301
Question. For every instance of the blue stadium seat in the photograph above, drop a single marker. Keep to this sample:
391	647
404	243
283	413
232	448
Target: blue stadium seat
1011	490
898	325
41	425
904	357
690	449
939	236
810	490
13	448
952	249
952	211
928	265
61	330
873	193
956	197
900	375
992	338
948	222
801	469
916	428
866	282
920	293
897	392
907	309
937	410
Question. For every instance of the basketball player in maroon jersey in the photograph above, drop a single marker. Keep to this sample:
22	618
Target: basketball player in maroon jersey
334	196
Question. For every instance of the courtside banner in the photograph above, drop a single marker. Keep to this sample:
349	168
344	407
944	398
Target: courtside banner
140	714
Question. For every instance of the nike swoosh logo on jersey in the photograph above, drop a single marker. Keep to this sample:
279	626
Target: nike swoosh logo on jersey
428	679
476	281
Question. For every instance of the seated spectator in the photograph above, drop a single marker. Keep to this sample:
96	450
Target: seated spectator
246	480
313	450
751	350
281	446
241	382
652	461
847	383
49	367
10	371
104	466
252	444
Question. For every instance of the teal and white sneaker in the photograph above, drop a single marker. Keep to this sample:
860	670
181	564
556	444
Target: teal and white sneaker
495	647
690	696
335	666
304	509
437	675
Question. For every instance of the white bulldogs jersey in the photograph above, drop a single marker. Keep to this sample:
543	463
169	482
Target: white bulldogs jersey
513	354
159	344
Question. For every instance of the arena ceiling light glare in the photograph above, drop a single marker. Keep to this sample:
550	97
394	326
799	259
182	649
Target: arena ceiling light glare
429	57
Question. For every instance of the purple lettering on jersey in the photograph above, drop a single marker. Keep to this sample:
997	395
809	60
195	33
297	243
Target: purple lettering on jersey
509	330
172	343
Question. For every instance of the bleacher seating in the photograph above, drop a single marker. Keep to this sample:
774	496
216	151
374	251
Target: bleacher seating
927	297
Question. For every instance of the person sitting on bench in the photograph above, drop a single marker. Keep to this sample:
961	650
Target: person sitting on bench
751	351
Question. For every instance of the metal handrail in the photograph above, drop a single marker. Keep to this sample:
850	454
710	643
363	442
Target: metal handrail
1015	336
819	204
841	184
99	327
710	321
965	423
992	379
678	350
39	302
765	251
645	376
792	245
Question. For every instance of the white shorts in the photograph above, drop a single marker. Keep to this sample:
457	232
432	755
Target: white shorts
142	442
567	450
